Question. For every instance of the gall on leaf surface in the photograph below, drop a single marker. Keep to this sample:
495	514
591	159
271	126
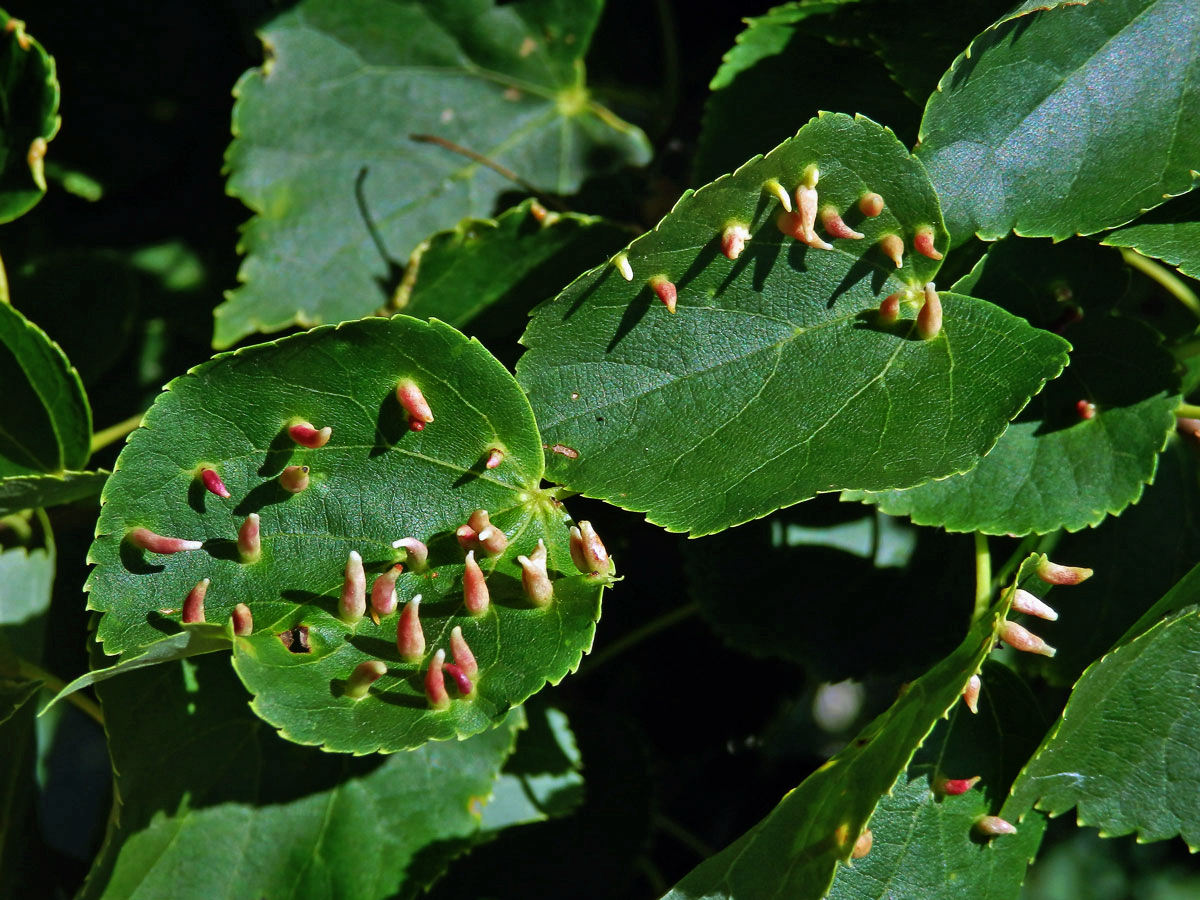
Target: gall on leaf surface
29	92
775	380
374	482
1071	120
325	156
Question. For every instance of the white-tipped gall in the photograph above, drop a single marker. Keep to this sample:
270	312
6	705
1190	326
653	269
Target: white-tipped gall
1085	409
243	620
1027	603
213	483
534	577
249	539
929	319
834	225
157	543
893	248
193	604
353	603
383	591
1053	573
733	239
475	589
413	401
870	204
889	309
484	536
587	550
923	242
971	693
364	675
495	456
463	657
621	261
416	554
306	435
665	291
294	479
466	687
863	845
990	826
775	189
410	637
806	209
435	682
1020	638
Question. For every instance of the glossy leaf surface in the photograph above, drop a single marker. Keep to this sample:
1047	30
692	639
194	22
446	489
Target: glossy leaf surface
1170	232
774	380
29	491
325	154
376	481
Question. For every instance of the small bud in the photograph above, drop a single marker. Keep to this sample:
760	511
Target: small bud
461	679
294	479
863	845
494	458
834	225
953	787
193	605
929	319
665	291
243	620
587	550
410	637
1022	639
383	591
1085	409
413	401
475	589
893	248
415	553
889	309
353	603
733	239
249	539
923	242
156	543
364	675
774	188
971	693
214	484
993	825
621	261
1027	603
538	211
435	683
463	657
1053	573
534	577
304	434
870	204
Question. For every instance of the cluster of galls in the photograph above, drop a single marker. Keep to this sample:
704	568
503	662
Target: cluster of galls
800	223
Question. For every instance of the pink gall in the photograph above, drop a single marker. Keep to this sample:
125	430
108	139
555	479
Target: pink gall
534	577
435	682
193	604
414	403
475	590
665	291
893	248
416	554
733	240
294	479
990	826
587	550
1020	638
929	319
1053	573
889	309
213	483
383	591
243	620
353	603
157	543
410	637
249	539
870	204
463	657
834	225
495	456
306	435
923	243
970	693
1025	602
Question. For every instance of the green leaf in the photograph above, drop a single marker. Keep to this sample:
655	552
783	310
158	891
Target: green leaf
923	843
375	482
1170	232
212	804
15	693
773	381
542	779
1123	751
796	849
1071	120
45	422
26	579
29	93
325	155
29	491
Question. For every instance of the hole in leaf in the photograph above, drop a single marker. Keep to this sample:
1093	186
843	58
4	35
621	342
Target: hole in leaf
296	640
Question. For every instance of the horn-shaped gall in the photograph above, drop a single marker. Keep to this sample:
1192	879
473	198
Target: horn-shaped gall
243	620
410	637
475	589
834	225
953	787
733	239
775	189
353	603
249	539
621	261
971	693
889	309
923	242
870	204
806	209
193	604
157	543
990	826
491	539
306	435
587	550
534	577
1053	573
893	248
294	479
414	403
364	675
929	319
495	456
213	483
435	682
416	554
1027	603
665	291
463	657
461	679
863	845
383	591
1020	638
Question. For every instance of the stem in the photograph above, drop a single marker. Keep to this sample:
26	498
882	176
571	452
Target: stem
26	669
1028	543
552	202
1166	278
983	576
1187	411
667	825
3	284
650	629
113	433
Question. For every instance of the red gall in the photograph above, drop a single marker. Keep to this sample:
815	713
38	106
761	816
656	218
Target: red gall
475	589
461	679
834	225
243	620
463	657
953	787
435	682
213	483
665	291
1085	409
193	604
410	637
383	591
157	543
923	242
306	435
413	401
